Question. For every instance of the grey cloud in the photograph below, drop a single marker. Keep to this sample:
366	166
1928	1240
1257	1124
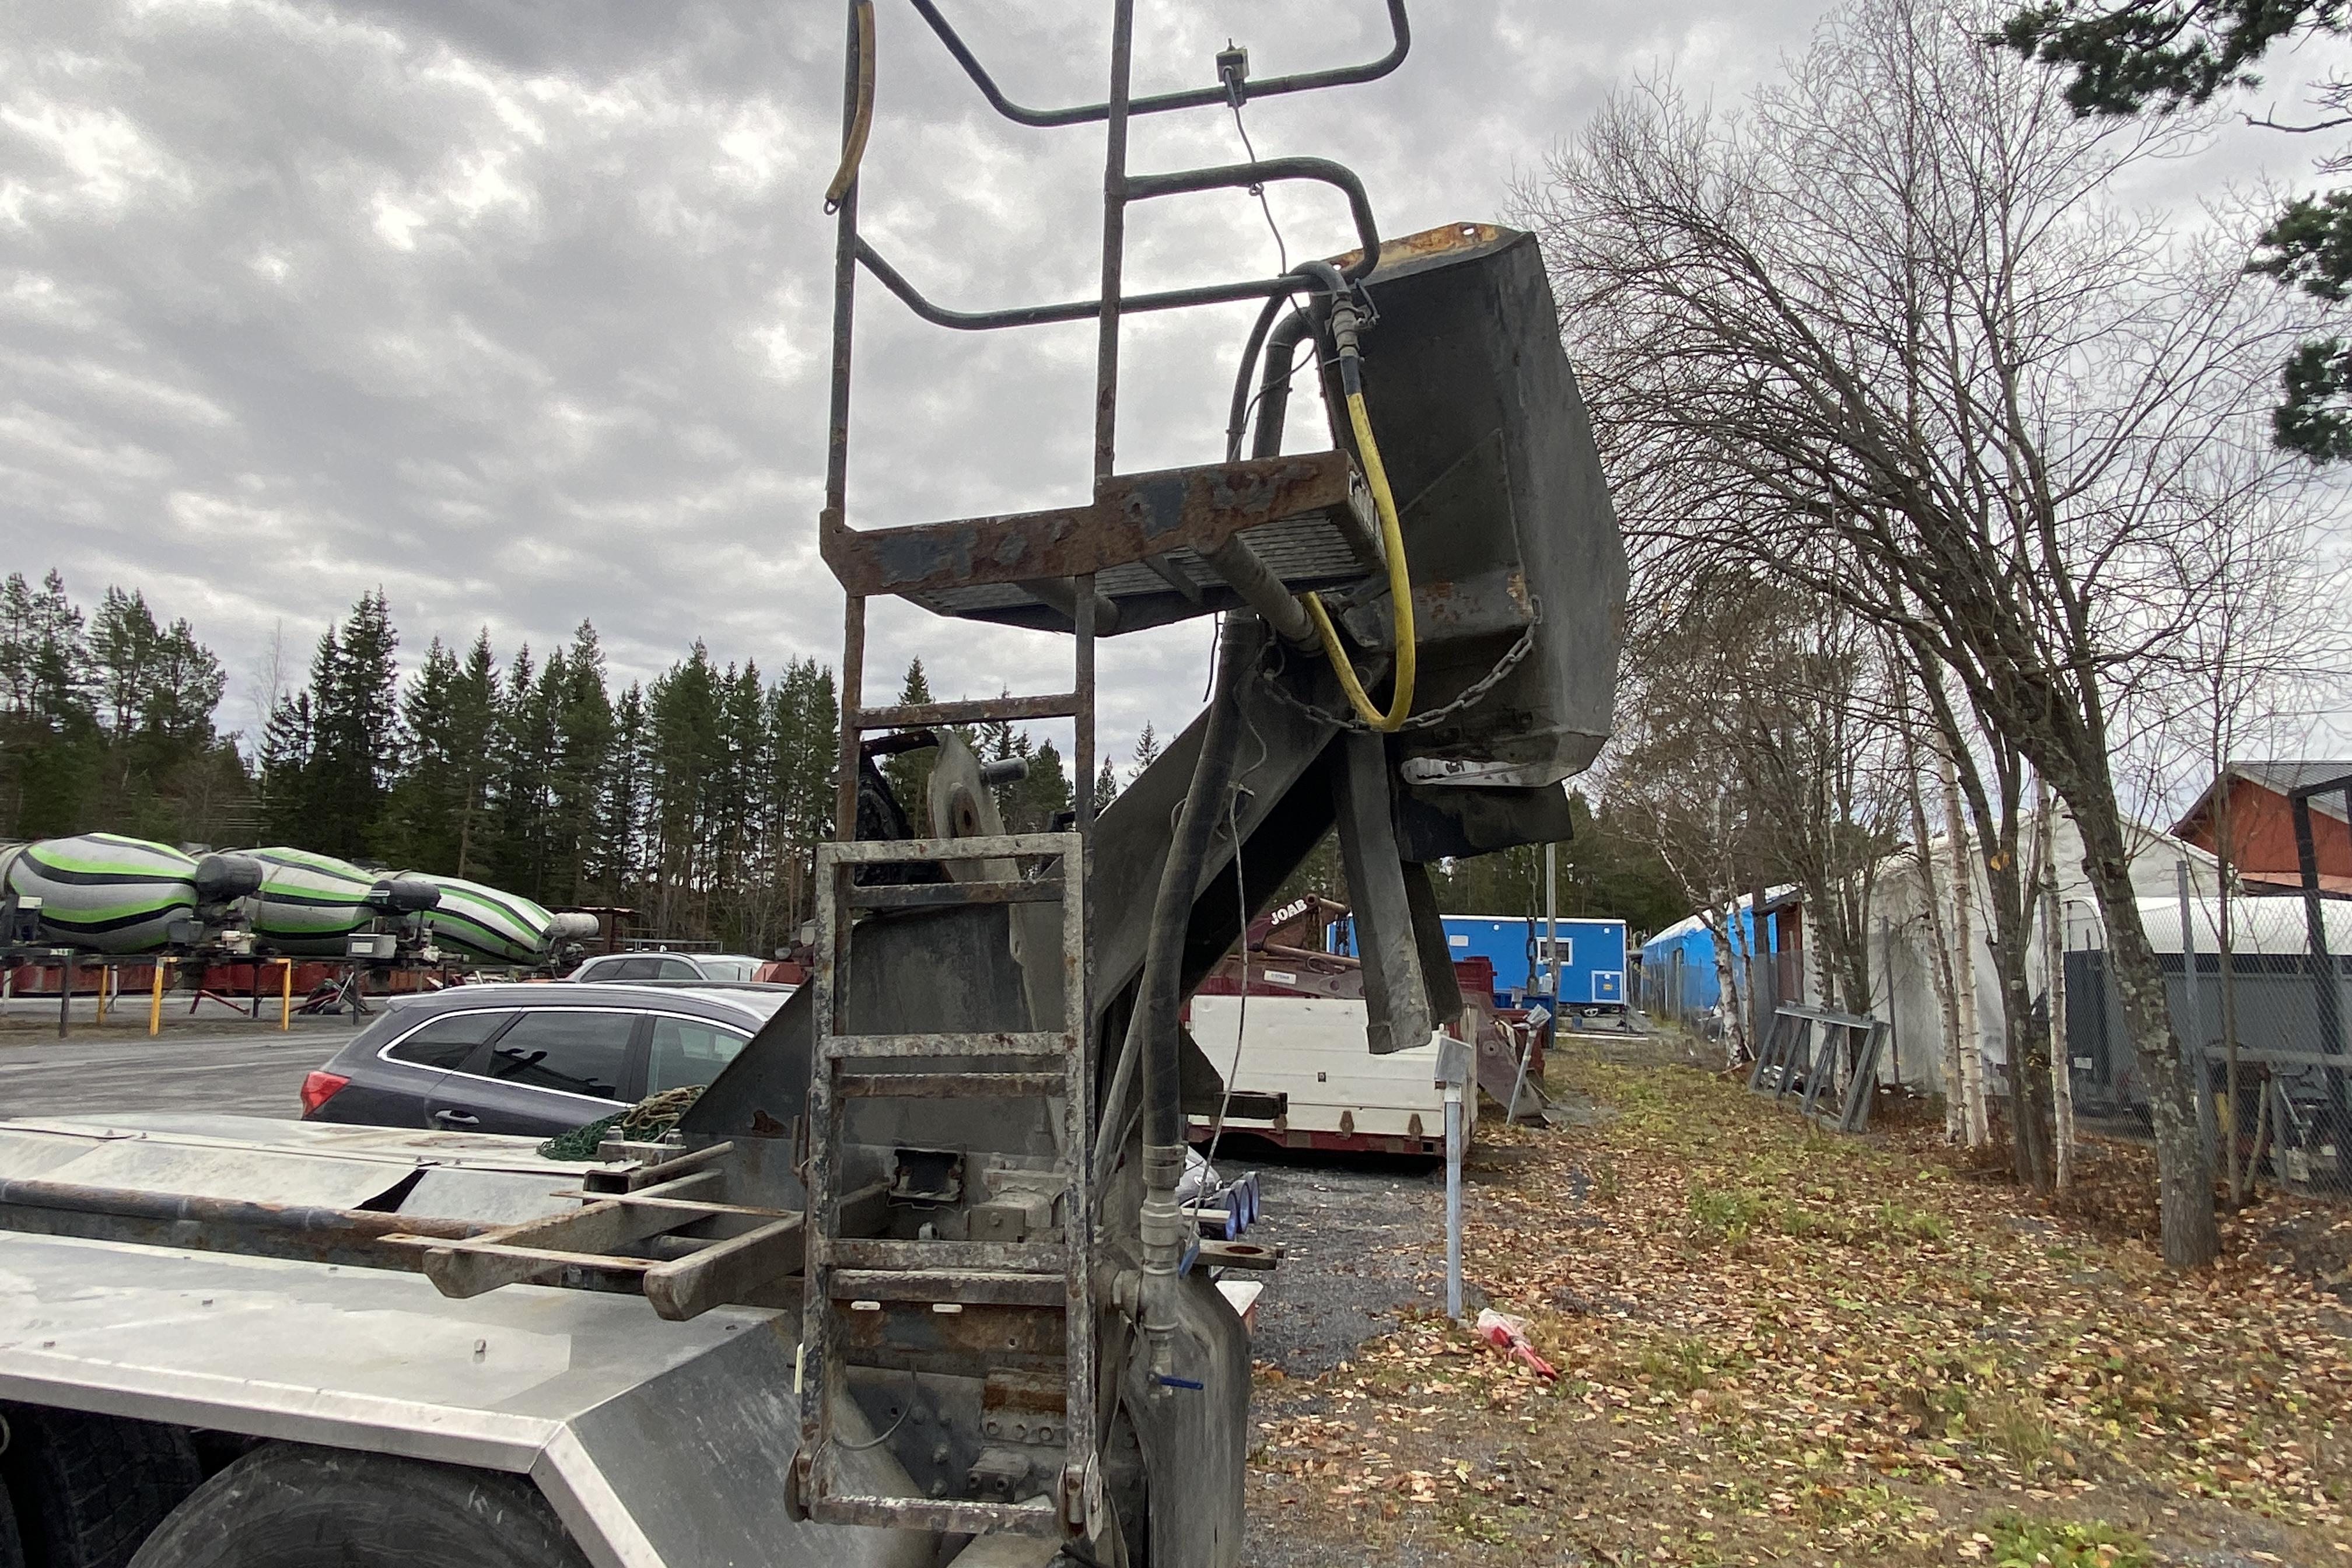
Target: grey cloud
520	310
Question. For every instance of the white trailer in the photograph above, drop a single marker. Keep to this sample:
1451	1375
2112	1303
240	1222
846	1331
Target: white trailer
1311	1049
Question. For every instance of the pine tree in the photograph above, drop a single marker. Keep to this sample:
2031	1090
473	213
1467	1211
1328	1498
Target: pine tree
1041	797
909	773
621	803
583	739
354	733
1106	784
1146	751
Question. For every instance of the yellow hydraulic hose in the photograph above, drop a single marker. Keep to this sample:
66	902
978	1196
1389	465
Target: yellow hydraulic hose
1399	589
853	147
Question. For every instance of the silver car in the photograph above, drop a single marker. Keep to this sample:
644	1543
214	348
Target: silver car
642	966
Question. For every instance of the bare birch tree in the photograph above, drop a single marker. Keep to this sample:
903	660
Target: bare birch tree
1888	330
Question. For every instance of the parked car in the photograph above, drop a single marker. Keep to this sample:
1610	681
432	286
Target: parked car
536	1059
628	966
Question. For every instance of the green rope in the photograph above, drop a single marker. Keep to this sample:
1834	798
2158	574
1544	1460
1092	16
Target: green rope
645	1123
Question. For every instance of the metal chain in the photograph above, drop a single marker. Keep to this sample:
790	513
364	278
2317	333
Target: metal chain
1472	695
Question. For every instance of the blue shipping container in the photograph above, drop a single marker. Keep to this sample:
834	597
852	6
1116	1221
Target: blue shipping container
1592	958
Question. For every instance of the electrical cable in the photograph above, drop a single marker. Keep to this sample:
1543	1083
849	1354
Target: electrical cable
1280	249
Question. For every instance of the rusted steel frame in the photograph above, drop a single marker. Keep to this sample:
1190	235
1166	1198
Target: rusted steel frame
984	846
853	693
1266	171
1081	1377
949	1085
729	1271
647	1177
1308	955
943	895
514	1254
955	321
181	1209
344	1248
1133	517
1114	237
1054	705
899	1048
836	455
925	1513
971	1287
1401	32
464	1269
820	1347
1082	751
917	1256
724	1271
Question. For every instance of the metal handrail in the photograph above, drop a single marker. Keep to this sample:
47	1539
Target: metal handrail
1400	31
1144	187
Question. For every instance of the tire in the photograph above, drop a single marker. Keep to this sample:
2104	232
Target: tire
12	1547
287	1505
87	1489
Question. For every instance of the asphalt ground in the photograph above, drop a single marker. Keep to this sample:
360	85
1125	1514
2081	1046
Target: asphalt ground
230	1068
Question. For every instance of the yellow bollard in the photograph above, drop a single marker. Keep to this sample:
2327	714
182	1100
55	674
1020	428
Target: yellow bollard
104	970
285	996
155	1003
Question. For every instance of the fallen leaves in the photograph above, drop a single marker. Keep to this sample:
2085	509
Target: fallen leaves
1775	1344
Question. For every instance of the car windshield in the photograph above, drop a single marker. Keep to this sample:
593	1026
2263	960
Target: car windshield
730	968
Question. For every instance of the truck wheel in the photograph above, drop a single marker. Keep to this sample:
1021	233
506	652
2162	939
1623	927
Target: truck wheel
12	1549
287	1505
87	1489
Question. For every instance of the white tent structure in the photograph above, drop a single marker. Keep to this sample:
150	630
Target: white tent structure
1902	939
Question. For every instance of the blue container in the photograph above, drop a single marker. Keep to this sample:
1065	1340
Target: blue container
1592	958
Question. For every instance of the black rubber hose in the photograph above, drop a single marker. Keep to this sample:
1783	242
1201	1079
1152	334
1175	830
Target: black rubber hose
1162	998
1328	281
1274	391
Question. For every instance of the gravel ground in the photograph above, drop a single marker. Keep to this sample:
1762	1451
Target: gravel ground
1361	1237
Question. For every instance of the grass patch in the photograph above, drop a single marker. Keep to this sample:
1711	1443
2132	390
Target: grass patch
2021	1542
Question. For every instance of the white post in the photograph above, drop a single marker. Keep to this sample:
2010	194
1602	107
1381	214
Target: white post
1453	1072
2192	1038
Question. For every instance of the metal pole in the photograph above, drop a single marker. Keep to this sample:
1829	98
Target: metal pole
837	454
155	1002
2323	967
1552	923
1114	237
1519	1080
65	993
104	969
1453	1200
286	995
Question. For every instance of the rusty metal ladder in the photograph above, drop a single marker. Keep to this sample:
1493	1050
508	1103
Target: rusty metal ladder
1023	1290
1144	549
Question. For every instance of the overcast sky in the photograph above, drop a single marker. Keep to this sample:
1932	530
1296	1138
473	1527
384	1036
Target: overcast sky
519	310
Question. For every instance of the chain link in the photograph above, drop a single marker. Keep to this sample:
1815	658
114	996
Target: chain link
1472	695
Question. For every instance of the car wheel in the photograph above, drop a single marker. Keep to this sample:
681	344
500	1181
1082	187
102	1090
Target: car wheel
287	1505
86	1489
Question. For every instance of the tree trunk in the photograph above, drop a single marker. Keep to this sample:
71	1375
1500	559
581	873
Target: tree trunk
2184	1175
1940	954
2030	1113
2053	990
1964	959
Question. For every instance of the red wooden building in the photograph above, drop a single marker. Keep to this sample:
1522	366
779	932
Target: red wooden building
2261	825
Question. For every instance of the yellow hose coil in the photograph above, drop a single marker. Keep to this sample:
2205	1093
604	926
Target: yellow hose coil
1399	591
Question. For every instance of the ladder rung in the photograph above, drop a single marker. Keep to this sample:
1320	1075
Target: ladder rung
922	715
945	1517
970	1287
984	847
932	895
1043	1258
946	1046
949	1085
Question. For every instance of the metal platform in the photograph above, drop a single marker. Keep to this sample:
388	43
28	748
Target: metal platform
1146	540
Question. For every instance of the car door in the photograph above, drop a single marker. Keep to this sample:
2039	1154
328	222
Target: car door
394	1084
554	1069
680	1051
